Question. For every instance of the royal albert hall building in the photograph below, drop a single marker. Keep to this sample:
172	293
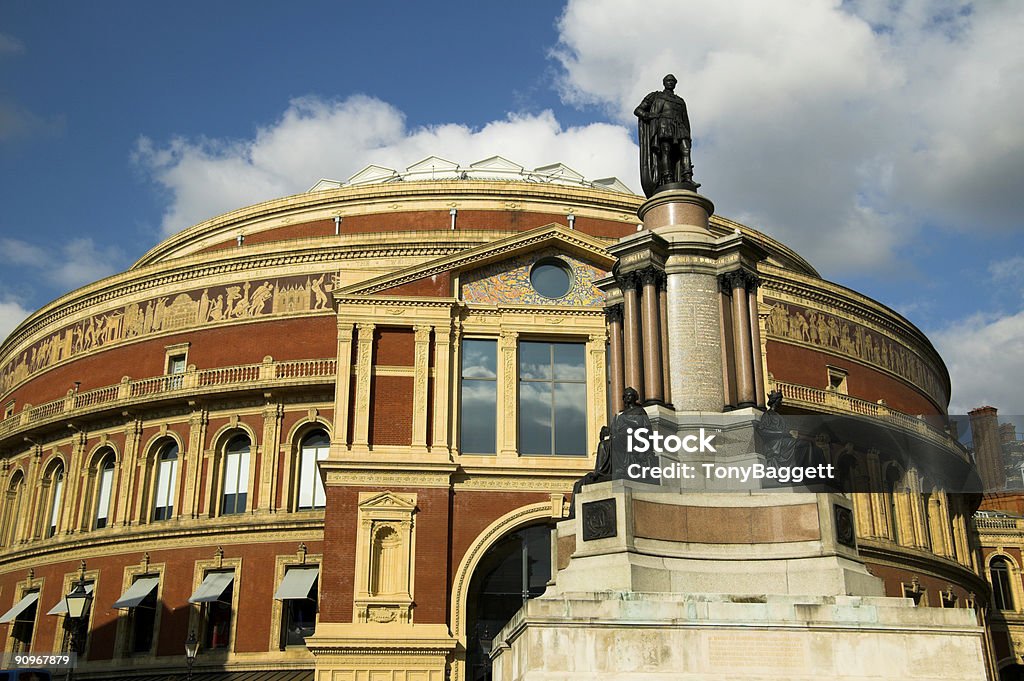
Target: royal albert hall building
330	433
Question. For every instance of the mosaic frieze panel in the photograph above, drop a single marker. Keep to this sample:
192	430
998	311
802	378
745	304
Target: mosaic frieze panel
508	282
201	307
835	334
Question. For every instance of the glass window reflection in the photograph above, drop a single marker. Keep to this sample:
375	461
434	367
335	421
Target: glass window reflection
479	404
552	399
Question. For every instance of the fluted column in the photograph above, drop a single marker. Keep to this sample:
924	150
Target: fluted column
726	339
615	357
651	337
631	331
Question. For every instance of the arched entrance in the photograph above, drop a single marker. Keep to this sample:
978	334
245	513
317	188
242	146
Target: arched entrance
516	568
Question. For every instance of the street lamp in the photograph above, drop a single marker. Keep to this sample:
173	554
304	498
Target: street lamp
191	650
77	603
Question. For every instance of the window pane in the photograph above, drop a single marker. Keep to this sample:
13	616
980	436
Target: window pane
231	473
306	473
479	405
479	416
534	361
570	418
569	362
479	359
58	488
535	418
106	486
320	498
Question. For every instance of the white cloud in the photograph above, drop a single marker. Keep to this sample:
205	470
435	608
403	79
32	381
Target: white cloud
981	352
10	45
18	123
315	138
838	127
11	314
76	262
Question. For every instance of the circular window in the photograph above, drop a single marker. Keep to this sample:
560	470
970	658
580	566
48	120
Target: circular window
551	278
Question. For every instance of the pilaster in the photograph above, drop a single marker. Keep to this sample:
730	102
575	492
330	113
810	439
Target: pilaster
508	409
364	376
421	373
343	384
442	383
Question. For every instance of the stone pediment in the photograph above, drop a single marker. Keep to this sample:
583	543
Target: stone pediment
388	501
424	279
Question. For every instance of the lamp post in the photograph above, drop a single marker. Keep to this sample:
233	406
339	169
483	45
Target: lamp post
191	650
77	603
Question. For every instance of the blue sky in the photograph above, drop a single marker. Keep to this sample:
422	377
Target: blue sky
880	140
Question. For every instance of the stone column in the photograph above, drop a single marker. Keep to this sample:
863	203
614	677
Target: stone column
651	337
742	339
631	330
421	372
615	357
725	337
364	371
342	386
442	383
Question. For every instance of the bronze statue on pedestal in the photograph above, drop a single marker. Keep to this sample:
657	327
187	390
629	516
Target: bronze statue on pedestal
664	132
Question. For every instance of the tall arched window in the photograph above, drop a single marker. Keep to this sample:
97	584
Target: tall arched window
104	490
166	485
12	510
999	570
315	447
236	475
56	491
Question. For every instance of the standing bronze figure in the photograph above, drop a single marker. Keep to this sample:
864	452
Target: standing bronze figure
664	129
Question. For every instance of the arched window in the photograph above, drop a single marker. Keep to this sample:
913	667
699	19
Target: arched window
11	510
1000	573
56	491
315	447
236	475
166	485
104	490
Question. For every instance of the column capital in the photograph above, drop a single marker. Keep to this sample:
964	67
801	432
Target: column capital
364	328
739	278
613	313
422	332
